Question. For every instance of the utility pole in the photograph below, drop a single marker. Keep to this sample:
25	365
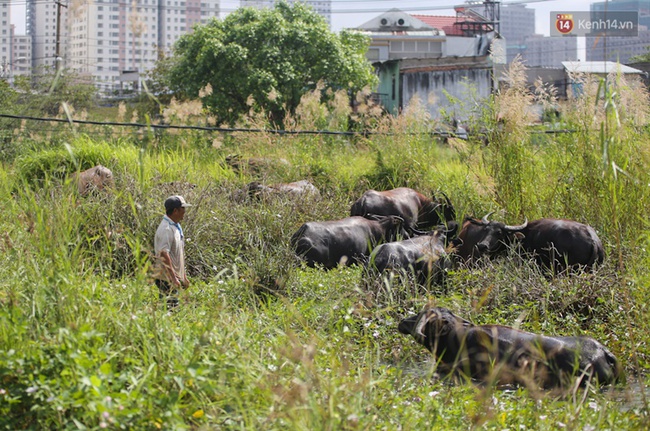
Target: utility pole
57	50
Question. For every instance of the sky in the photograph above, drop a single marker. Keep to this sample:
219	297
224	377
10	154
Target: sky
352	13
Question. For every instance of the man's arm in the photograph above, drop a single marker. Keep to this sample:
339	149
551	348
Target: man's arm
167	263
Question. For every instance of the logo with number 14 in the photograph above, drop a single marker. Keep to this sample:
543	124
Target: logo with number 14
564	23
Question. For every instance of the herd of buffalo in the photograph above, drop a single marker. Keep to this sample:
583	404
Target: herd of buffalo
386	233
404	232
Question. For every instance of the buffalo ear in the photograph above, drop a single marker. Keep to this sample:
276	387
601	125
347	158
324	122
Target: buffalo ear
520	236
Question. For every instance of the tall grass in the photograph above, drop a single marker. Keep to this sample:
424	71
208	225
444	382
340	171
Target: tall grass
263	342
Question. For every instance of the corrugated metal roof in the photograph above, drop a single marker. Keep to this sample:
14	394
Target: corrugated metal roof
603	67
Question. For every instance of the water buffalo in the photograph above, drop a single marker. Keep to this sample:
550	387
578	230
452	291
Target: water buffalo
344	241
417	210
98	177
555	244
505	355
254	165
478	238
424	256
296	189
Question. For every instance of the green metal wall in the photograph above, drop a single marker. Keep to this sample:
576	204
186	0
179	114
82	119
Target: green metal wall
389	86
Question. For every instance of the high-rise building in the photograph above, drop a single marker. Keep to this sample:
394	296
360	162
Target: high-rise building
21	55
618	49
5	38
107	40
516	24
544	51
41	25
641	6
621	49
178	17
322	7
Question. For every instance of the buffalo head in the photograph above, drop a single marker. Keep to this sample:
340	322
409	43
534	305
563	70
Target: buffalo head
393	226
437	329
483	237
446	209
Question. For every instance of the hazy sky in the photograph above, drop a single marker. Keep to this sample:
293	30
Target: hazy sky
352	13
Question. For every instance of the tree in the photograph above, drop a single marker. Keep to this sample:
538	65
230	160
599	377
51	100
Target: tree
641	58
48	89
265	60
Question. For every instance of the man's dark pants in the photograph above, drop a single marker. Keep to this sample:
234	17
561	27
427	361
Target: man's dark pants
167	291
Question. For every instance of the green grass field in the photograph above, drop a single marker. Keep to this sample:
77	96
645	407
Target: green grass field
263	342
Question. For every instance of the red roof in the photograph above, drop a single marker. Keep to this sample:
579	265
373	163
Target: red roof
444	23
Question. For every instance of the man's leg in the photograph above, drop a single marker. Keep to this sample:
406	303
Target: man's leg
166	291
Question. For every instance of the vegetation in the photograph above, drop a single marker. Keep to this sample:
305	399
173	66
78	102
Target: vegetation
47	91
264	61
263	342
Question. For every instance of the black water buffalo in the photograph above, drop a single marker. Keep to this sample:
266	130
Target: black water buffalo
417	210
344	241
478	238
555	244
296	189
505	355
423	256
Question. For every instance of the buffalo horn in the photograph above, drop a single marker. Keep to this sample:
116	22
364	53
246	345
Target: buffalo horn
434	209
422	322
518	227
486	216
419	232
447	199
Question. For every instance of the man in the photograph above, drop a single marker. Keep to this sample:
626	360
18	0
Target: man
169	244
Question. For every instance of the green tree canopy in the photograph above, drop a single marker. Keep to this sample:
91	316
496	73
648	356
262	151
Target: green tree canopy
641	58
266	59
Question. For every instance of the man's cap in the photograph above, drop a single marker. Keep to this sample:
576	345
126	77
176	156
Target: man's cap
176	201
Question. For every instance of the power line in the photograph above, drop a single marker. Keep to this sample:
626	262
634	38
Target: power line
170	127
248	130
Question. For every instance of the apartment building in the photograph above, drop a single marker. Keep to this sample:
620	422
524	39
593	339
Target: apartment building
517	24
618	49
544	51
5	38
41	25
111	38
621	49
21	55
106	40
